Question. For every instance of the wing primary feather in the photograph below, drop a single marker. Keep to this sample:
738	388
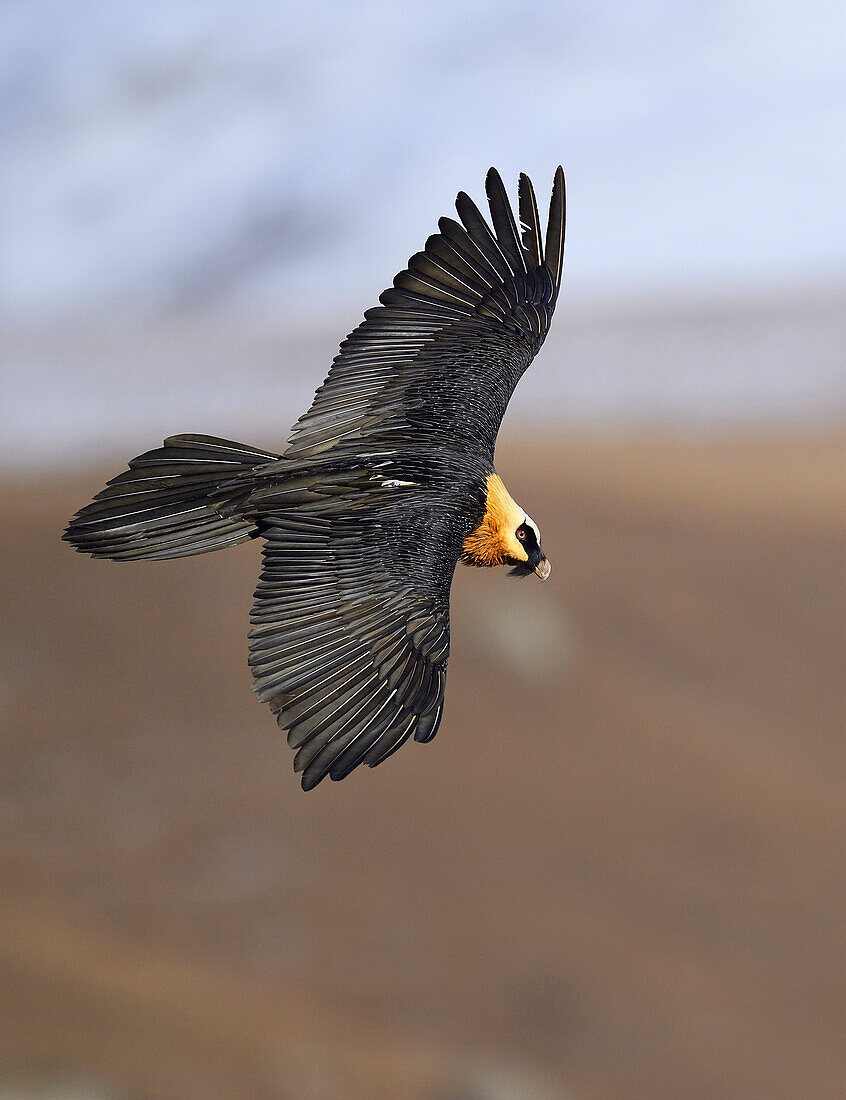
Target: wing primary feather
300	715
354	753
530	219
427	727
306	726
503	222
337	731
392	739
316	766
480	233
555	227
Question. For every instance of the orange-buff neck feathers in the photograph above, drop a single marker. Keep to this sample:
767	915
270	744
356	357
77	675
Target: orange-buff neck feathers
493	542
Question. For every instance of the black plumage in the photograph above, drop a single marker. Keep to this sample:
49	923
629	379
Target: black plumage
366	513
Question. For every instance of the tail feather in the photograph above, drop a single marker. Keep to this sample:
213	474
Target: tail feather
172	502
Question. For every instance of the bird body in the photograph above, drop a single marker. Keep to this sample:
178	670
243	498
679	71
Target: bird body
387	483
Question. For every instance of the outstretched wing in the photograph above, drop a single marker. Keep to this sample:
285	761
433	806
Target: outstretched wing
350	638
439	359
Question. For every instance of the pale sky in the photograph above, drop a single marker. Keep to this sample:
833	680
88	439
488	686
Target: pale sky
273	155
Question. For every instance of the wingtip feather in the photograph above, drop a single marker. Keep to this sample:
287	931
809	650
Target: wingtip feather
504	225
530	219
556	227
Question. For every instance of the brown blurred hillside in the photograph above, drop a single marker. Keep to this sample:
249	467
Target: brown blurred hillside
618	871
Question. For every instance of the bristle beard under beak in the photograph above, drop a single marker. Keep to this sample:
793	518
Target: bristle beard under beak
523	569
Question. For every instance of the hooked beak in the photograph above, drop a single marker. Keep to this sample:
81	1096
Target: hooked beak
543	569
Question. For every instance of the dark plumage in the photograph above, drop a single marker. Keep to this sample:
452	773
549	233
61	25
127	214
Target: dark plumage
388	480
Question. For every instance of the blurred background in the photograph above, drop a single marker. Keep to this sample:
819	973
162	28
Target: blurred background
618	871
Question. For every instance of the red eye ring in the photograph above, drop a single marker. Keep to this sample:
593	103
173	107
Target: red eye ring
521	534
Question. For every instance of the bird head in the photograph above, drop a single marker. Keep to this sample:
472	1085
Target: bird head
506	536
526	553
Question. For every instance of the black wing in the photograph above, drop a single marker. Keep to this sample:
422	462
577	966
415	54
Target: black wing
350	635
438	360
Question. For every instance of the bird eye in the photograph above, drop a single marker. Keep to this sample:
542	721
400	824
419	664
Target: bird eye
521	533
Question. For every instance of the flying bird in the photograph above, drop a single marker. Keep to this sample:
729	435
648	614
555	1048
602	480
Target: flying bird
387	482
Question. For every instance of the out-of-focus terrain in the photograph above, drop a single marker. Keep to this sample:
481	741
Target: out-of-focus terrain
618	871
